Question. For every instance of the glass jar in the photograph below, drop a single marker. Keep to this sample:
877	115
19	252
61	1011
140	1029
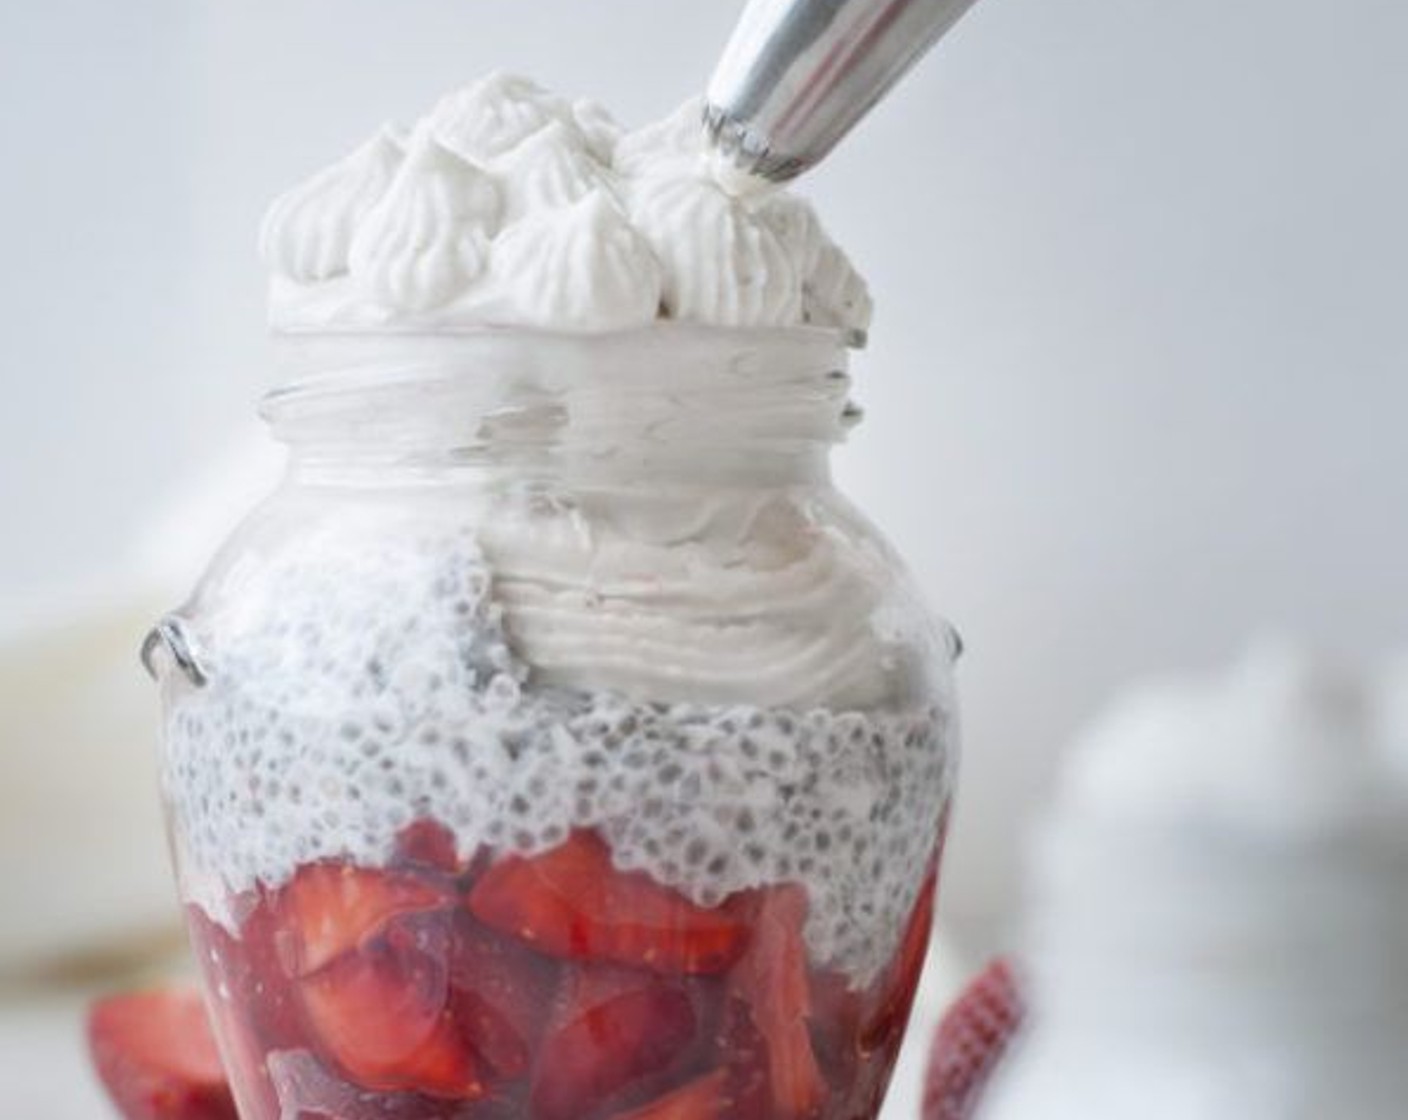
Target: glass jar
557	742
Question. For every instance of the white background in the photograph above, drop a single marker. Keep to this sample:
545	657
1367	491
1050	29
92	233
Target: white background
1138	383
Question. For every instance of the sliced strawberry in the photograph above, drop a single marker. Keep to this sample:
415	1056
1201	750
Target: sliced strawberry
744	1054
970	1042
701	1056
307	1088
772	981
501	993
836	1011
253	1006
264	986
157	1058
613	1026
427	845
329	909
381	1014
572	903
236	990
894	993
704	1098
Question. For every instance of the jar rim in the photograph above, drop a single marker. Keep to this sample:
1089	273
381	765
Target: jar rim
786	387
309	362
851	337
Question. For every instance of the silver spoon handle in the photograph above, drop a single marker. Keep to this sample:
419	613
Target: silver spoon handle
798	74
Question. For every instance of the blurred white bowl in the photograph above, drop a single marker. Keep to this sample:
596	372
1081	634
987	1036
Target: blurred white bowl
83	862
82	856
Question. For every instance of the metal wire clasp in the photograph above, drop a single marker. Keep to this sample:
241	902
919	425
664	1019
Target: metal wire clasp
173	636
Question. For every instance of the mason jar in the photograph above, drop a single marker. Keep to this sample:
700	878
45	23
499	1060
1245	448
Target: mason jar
557	742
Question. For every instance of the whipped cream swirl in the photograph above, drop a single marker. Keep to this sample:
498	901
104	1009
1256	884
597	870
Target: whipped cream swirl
740	598
510	206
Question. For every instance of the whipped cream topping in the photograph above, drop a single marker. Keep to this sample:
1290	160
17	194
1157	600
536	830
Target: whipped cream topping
507	205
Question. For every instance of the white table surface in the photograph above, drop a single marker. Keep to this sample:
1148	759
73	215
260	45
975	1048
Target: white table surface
44	1070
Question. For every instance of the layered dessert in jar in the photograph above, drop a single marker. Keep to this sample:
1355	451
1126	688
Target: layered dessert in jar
556	743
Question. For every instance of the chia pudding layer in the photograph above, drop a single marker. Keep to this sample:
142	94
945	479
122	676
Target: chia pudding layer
356	690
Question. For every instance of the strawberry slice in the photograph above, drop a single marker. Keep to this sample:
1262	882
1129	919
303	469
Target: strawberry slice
428	846
836	1011
894	993
970	1043
744	1053
572	903
613	1027
249	992
500	994
381	1015
705	1098
254	974
305	1087
157	1058
772	981
329	909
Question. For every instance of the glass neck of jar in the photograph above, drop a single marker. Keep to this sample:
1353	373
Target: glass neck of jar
670	403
